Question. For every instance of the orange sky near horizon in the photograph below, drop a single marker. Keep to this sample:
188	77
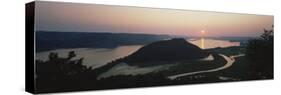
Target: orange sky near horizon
73	17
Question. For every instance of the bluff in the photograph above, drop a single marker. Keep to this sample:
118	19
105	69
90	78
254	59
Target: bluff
167	50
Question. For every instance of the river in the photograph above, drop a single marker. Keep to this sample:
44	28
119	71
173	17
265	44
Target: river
229	61
96	57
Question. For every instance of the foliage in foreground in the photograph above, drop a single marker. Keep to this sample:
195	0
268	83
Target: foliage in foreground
260	53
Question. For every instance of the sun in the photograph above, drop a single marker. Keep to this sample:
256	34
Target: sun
203	32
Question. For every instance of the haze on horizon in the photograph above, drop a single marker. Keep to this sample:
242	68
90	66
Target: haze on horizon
75	17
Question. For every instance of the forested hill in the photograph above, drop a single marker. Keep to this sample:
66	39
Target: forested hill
166	50
49	40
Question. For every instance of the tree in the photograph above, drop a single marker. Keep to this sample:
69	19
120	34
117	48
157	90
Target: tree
58	72
260	53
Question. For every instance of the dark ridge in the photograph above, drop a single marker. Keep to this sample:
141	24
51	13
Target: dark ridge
60	40
167	50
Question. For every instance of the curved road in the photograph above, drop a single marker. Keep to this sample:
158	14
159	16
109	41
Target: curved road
230	60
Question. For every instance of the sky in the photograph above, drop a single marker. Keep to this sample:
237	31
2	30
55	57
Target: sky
75	17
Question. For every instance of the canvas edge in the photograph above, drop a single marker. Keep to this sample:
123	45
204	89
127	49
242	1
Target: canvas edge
29	47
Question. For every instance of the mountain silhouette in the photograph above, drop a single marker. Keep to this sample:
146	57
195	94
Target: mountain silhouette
167	50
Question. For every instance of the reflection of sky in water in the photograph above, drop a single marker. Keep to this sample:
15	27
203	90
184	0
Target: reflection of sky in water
212	43
93	57
98	57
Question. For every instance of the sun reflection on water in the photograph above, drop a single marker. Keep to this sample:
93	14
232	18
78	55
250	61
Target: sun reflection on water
202	43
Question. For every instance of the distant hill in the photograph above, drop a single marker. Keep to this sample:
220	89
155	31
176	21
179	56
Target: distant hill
49	40
167	50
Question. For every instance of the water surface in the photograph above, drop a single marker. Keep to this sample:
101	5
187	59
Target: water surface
94	57
212	43
97	57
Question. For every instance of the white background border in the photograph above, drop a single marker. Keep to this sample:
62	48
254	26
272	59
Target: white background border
12	44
